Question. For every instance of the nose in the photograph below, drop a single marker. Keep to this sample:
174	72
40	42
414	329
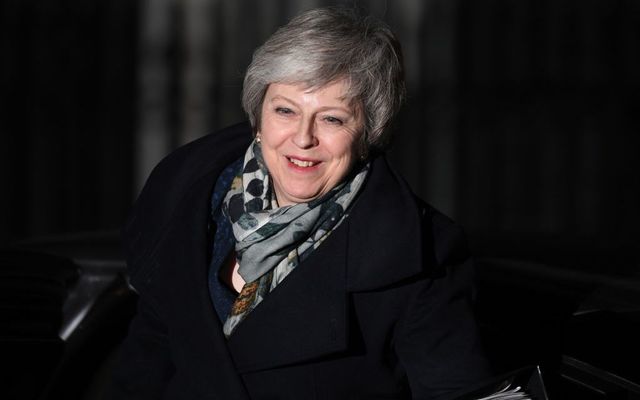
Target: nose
305	136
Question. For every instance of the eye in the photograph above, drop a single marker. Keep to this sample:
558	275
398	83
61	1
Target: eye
333	120
283	111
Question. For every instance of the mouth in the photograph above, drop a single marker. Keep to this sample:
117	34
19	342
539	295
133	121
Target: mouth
302	163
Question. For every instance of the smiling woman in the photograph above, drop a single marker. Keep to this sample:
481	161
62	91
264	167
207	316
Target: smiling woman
285	259
309	139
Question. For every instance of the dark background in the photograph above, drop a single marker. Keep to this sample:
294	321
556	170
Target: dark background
522	121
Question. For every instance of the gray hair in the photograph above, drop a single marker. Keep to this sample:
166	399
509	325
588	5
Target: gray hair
324	45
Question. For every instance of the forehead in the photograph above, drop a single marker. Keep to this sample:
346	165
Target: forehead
336	93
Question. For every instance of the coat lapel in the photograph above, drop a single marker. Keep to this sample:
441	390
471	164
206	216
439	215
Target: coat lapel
304	318
386	232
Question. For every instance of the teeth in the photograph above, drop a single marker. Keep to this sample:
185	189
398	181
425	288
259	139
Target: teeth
301	163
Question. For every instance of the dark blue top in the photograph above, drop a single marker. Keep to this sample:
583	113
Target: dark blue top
223	244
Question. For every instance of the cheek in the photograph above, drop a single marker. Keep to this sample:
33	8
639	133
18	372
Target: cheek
346	148
272	133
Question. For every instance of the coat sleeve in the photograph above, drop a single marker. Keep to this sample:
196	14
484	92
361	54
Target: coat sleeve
144	366
437	340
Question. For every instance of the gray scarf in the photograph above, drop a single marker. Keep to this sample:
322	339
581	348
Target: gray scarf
271	241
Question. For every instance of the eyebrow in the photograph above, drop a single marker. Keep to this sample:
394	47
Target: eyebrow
281	97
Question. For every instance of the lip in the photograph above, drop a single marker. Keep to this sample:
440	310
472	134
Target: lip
303	168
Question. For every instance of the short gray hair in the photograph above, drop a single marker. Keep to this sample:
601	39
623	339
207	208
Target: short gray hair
324	45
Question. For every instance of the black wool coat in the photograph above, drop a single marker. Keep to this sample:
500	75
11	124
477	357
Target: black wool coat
381	310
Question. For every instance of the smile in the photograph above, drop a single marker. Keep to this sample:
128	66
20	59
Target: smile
302	163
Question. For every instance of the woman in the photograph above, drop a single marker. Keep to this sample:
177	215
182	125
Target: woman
285	259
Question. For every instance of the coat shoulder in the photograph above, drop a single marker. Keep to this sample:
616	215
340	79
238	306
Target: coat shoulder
446	237
399	236
169	183
197	157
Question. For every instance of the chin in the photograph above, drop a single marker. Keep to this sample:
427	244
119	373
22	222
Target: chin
297	195
303	197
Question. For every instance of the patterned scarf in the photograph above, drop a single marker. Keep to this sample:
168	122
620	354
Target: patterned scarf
271	241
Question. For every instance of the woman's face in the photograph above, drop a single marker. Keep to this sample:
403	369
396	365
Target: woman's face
309	139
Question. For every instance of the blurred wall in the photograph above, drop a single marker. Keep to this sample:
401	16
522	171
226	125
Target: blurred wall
522	120
67	90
